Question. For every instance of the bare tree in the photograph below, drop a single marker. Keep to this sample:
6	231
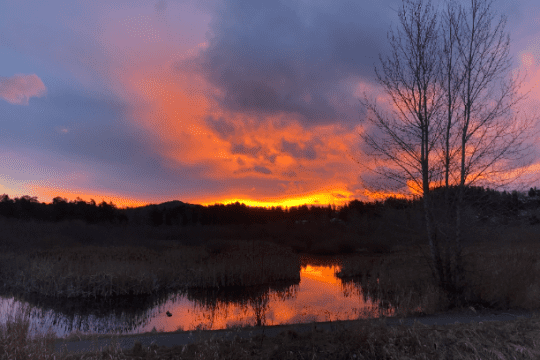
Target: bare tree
402	144
481	98
453	121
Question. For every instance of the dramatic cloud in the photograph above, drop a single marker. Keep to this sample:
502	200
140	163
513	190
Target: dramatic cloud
294	57
242	149
19	88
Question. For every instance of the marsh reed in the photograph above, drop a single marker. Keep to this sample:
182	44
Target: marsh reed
95	271
497	275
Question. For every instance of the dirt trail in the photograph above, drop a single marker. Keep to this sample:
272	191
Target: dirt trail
126	342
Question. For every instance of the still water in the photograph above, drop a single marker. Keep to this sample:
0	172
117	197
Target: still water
319	296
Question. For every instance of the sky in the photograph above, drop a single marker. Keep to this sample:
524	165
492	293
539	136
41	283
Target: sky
256	101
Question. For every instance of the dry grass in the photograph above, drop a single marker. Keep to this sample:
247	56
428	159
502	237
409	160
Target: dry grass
93	271
377	341
364	340
505	276
498	276
15	342
399	280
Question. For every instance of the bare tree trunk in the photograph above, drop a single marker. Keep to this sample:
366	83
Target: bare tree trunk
438	268
457	271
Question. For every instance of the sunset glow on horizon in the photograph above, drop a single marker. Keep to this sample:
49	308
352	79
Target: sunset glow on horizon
137	103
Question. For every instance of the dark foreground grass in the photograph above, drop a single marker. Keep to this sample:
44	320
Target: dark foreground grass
517	339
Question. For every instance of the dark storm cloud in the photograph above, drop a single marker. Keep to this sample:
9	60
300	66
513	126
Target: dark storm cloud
271	158
262	170
256	168
274	56
245	150
292	148
289	174
220	126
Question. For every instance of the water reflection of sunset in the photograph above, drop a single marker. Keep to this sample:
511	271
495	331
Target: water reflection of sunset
320	296
321	274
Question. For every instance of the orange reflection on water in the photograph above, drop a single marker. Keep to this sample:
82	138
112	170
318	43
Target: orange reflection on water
320	296
323	274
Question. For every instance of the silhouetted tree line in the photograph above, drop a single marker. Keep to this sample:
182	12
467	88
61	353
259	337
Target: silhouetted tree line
29	208
220	214
484	201
488	202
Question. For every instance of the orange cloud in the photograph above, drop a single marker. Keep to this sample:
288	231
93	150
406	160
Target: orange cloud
286	163
189	130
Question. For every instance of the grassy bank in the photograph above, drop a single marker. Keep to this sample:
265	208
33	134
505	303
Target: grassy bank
74	259
97	271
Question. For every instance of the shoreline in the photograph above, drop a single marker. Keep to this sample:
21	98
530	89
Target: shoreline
91	343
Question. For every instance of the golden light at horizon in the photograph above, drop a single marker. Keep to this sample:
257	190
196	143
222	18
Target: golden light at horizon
318	199
323	198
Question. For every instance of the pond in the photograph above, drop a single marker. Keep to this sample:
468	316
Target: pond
319	296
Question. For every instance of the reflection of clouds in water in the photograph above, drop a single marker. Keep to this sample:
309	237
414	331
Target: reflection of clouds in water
319	296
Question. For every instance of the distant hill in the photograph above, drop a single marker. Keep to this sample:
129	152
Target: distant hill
168	205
